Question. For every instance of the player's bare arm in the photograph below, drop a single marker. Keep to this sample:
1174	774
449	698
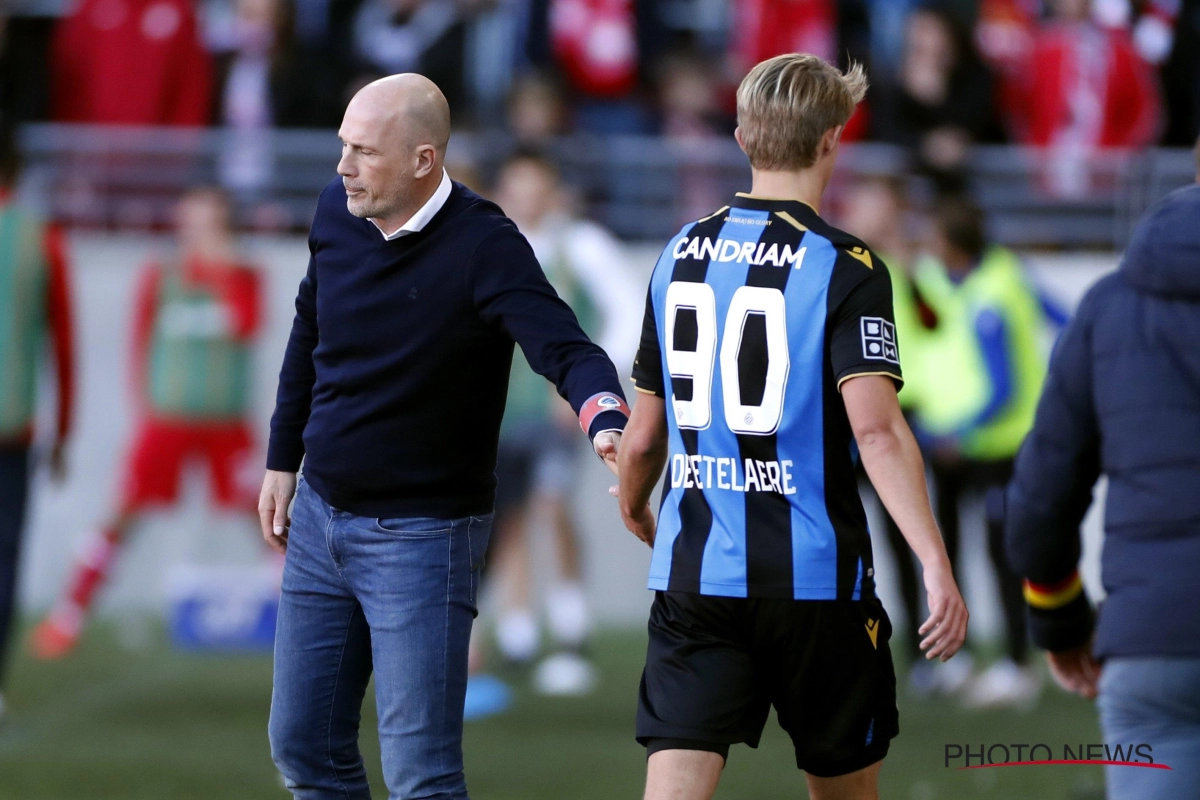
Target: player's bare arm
893	462
640	463
278	489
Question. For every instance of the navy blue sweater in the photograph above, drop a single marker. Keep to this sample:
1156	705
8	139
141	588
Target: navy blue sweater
394	379
1123	399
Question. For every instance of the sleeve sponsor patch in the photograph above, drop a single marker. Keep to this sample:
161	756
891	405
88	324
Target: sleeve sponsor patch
879	340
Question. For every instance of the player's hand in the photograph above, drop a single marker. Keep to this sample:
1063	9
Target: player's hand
278	489
640	523
1076	670
58	462
946	629
606	445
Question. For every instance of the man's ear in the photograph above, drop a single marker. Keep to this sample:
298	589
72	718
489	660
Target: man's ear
829	140
426	160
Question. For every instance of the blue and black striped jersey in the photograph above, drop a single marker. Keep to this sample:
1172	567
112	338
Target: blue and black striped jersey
755	316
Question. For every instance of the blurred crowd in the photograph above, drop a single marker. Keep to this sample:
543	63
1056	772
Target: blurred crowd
945	73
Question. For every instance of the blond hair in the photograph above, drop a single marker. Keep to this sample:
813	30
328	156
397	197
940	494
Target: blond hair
786	103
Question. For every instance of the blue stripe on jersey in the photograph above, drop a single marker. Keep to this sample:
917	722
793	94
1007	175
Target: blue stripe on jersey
858	583
801	437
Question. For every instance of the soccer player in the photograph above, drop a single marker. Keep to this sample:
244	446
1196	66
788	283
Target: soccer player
768	353
196	318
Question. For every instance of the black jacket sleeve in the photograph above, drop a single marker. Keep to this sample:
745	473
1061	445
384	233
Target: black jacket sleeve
293	400
511	292
1051	490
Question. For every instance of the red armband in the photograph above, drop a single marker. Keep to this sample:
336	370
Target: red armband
597	404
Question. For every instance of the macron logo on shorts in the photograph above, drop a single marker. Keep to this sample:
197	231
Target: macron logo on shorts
879	340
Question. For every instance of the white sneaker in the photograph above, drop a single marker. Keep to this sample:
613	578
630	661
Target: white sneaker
517	636
567	614
1004	685
564	675
929	678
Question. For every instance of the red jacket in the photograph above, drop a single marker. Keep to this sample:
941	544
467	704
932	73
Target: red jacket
1086	85
138	62
767	28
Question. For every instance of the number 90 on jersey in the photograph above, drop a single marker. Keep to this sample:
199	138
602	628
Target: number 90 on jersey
753	347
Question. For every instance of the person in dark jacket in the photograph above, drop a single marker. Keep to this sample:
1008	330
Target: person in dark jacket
1123	399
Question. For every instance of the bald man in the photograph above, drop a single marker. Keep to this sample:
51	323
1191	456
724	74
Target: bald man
391	394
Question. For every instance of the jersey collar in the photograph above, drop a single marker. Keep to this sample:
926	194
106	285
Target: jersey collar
760	203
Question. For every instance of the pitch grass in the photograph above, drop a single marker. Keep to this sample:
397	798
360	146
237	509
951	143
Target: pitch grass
114	722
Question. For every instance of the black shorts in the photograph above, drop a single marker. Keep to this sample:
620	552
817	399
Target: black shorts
716	665
537	459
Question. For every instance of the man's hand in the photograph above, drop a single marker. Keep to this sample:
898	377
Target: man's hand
277	492
947	623
606	445
640	522
1076	670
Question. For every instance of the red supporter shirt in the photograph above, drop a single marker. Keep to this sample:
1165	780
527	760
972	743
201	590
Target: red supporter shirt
1087	86
136	62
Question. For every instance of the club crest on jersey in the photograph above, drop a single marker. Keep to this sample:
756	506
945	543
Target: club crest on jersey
879	340
730	250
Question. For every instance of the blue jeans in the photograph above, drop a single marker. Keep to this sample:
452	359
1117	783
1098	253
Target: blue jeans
1155	701
395	595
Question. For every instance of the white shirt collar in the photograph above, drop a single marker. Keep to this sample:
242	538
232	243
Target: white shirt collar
425	213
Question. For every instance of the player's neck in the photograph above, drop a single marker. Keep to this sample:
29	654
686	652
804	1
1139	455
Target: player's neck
805	186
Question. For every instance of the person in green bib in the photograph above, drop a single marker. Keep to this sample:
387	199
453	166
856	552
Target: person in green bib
197	315
986	366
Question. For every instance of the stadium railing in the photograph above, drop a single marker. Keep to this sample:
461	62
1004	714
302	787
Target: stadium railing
644	188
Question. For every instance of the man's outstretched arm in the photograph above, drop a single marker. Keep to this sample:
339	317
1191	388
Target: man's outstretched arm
511	292
893	462
640	462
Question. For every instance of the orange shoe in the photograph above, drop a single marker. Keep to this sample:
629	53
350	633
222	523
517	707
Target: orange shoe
51	640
